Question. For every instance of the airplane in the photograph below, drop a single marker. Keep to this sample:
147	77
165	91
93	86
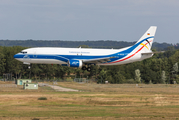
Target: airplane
85	57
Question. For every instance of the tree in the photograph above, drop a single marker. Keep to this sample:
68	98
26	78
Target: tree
83	46
177	79
175	68
163	77
12	65
102	76
137	76
174	72
36	70
94	71
109	79
62	70
2	61
118	78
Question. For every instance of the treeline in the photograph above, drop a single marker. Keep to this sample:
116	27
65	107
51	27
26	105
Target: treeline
92	44
161	68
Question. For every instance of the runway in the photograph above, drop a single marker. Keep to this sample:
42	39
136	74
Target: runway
58	88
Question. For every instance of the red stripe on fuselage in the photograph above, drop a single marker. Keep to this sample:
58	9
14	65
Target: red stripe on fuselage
130	55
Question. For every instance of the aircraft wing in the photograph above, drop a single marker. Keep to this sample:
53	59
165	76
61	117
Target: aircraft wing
97	61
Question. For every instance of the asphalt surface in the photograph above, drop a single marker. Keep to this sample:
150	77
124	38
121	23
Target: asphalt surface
58	88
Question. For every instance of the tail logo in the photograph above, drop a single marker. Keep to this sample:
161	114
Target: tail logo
144	45
148	42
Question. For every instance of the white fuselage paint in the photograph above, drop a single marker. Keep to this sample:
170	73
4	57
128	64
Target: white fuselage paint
57	52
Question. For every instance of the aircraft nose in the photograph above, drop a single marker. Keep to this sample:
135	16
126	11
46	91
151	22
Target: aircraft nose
16	56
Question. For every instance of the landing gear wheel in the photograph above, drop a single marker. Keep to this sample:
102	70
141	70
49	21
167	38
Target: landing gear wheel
84	68
89	69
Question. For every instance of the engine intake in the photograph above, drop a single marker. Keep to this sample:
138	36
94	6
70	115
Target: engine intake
75	63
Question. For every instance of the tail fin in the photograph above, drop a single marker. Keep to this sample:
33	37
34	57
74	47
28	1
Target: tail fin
147	39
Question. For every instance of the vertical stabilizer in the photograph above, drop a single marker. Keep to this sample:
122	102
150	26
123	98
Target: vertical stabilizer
147	39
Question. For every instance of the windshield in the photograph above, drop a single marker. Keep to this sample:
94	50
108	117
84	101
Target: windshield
23	52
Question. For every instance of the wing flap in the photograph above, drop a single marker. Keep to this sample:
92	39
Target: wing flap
99	60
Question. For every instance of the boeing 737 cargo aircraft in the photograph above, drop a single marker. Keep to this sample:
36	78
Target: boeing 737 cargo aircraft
85	57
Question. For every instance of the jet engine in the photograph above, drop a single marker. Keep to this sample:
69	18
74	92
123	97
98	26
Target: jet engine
75	63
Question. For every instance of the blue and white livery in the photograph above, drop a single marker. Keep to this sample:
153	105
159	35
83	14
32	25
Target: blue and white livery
84	57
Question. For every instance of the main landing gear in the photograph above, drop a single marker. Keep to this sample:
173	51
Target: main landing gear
86	68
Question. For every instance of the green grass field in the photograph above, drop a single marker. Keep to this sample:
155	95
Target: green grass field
94	101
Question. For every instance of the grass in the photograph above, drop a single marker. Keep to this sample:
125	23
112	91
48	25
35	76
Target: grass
95	101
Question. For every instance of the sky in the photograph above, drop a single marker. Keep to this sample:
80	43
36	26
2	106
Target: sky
81	20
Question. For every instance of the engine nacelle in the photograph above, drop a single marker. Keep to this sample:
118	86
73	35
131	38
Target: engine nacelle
75	63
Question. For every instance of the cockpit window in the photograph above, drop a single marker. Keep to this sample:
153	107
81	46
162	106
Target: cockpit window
23	52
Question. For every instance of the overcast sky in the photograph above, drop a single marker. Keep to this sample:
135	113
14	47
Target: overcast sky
81	20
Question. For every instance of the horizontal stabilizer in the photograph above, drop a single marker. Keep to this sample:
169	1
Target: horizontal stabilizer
150	53
159	52
147	53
